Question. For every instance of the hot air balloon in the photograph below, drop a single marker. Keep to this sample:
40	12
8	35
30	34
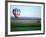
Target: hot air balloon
16	12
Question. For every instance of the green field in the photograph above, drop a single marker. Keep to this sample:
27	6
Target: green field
22	26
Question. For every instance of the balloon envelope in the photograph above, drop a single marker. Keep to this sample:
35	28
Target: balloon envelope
16	12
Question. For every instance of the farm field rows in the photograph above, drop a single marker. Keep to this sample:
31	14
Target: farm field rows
22	26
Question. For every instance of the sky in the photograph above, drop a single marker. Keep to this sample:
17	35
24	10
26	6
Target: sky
27	11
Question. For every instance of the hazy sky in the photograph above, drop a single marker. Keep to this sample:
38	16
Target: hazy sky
27	11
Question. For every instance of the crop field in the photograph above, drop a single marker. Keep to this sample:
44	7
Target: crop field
24	26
